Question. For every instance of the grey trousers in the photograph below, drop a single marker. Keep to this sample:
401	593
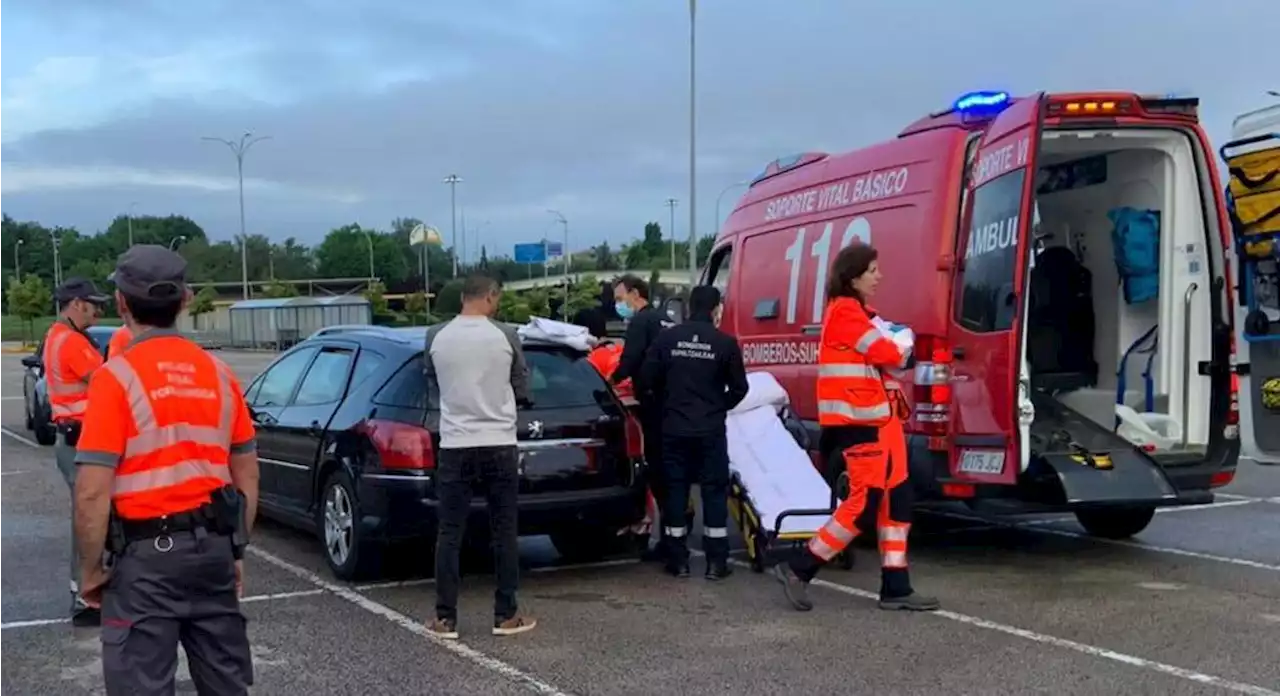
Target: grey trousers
65	455
179	589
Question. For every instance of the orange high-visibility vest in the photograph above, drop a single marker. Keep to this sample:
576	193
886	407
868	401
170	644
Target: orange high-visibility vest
70	358
851	354
168	416
605	359
119	341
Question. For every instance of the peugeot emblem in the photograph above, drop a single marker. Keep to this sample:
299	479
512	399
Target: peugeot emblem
535	429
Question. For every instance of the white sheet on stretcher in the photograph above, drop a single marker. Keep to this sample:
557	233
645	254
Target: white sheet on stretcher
776	472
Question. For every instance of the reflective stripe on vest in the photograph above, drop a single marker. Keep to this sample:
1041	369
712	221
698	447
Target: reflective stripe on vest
152	438
849	370
67	398
864	413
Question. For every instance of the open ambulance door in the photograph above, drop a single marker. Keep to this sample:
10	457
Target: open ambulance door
990	410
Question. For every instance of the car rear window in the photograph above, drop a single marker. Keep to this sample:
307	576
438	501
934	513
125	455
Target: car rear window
557	379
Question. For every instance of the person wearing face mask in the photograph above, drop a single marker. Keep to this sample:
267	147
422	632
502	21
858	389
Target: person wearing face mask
644	323
860	413
476	367
696	375
70	357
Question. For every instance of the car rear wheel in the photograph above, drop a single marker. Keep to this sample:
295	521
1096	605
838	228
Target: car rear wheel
348	554
588	542
44	430
1115	523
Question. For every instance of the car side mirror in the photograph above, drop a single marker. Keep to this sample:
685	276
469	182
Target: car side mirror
32	361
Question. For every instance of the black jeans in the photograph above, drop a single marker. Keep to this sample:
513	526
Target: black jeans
701	459
496	469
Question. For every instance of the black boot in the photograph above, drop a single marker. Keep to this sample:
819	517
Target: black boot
717	551
795	576
896	593
83	615
677	563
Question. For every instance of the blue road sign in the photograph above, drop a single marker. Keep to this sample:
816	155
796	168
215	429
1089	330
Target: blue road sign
535	252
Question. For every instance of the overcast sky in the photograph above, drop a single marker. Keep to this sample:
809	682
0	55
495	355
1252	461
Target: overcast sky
577	105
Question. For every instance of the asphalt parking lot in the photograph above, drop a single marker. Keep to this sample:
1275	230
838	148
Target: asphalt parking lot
1192	606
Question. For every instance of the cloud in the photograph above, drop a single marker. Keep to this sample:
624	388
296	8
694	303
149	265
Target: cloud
575	105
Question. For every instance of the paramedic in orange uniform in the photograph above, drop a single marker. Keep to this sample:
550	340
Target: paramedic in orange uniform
860	411
169	453
119	341
69	358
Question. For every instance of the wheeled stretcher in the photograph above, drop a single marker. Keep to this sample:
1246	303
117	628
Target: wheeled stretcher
776	496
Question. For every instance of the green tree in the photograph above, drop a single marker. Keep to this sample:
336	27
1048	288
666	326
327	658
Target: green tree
655	278
202	303
538	301
376	294
449	299
704	249
635	257
584	294
513	308
30	299
279	289
652	241
415	305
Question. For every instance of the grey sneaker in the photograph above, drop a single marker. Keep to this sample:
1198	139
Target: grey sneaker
911	602
797	590
514	625
444	628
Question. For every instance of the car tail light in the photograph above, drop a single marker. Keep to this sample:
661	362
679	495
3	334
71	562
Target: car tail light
932	386
1231	430
635	439
400	445
1222	478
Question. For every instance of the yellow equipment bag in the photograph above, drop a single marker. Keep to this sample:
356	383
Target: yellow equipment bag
1255	188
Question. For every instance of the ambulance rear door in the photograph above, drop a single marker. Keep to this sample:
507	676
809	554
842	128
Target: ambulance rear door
990	409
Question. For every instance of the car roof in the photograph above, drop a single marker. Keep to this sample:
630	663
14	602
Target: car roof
408	336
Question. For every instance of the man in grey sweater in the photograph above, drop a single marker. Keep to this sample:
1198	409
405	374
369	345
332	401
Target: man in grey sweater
476	367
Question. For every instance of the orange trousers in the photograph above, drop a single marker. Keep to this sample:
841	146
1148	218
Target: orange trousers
880	497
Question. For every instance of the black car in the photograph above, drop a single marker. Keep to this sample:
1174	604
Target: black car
36	396
347	439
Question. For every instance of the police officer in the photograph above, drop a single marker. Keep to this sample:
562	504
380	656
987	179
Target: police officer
644	322
168	484
696	375
70	357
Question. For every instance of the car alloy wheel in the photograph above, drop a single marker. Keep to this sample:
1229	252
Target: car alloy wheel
339	524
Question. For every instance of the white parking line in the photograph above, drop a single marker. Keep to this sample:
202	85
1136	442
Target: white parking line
20	438
541	569
458	648
1092	650
243	600
12	398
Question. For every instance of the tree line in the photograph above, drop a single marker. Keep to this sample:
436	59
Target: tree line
33	256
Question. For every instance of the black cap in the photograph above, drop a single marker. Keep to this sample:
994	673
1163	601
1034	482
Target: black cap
150	272
79	289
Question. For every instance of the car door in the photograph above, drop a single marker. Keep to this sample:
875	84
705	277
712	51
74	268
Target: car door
986	319
302	424
267	397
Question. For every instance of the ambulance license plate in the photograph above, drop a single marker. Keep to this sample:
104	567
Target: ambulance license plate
982	461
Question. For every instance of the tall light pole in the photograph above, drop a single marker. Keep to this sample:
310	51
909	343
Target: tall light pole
369	238
564	255
239	148
720	197
57	262
17	260
129	220
453	180
671	203
693	165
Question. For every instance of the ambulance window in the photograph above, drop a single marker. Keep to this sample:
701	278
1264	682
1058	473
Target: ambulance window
719	269
991	256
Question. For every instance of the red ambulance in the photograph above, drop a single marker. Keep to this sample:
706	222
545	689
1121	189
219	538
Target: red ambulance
1056	255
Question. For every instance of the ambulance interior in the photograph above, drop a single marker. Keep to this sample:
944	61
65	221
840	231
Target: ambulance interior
1082	320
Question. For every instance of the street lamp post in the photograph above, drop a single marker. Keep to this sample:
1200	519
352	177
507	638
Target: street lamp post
720	198
564	254
239	148
17	260
129	220
369	238
57	262
671	203
693	166
453	180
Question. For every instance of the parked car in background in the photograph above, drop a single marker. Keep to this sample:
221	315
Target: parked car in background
34	394
347	439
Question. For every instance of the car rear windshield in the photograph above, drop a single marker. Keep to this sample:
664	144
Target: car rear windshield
557	379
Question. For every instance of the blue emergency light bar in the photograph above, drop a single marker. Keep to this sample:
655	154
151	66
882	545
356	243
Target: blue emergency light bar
981	102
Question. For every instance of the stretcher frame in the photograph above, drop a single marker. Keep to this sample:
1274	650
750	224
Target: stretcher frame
1249	264
763	543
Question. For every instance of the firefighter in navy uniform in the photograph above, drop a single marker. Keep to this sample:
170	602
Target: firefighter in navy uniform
695	375
167	482
644	323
